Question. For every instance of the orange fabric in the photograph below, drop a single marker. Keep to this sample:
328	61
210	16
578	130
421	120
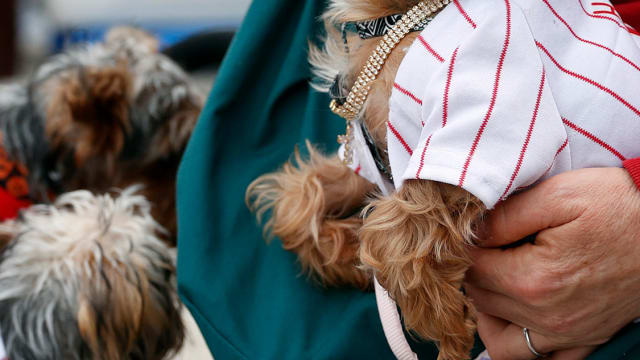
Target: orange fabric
14	188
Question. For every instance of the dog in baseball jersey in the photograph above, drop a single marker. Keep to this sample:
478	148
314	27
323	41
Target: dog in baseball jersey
472	102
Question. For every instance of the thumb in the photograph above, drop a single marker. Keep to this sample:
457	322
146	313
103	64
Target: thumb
528	213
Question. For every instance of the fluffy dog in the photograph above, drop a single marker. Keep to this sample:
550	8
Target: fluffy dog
416	238
106	115
88	278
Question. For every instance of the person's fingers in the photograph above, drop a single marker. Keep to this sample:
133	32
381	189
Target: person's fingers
503	271
501	339
505	340
496	305
490	329
488	268
525	214
573	354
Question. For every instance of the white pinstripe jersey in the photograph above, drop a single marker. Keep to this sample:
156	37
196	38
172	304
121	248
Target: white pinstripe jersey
496	95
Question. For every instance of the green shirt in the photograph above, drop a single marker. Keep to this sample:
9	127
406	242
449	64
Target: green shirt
249	298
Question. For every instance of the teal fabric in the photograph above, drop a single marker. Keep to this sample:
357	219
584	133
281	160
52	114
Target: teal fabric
624	346
248	297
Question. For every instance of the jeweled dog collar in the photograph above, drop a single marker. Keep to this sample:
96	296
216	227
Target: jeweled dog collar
352	106
368	29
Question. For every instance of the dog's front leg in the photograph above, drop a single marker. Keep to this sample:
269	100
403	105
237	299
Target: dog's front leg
417	242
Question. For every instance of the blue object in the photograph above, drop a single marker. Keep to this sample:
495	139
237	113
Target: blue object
168	34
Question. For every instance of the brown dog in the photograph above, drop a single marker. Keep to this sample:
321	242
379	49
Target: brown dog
107	115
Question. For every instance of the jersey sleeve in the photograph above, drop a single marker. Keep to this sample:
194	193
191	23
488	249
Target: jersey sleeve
488	120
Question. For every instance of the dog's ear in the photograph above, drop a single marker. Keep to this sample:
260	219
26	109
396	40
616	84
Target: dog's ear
88	113
172	136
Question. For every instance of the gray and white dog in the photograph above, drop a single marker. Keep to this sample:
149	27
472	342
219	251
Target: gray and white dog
88	278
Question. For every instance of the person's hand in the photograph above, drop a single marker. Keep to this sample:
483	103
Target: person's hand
577	284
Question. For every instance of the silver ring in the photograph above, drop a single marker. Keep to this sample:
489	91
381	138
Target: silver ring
527	339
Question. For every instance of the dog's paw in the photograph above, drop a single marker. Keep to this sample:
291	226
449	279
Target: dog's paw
416	243
314	207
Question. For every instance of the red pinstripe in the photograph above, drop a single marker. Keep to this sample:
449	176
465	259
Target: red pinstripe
493	96
516	171
445	102
631	30
430	49
357	171
594	138
399	137
426	145
587	41
600	17
408	93
560	149
464	13
564	145
611	8
589	81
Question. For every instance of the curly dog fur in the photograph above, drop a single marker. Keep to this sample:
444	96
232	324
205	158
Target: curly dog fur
314	206
417	243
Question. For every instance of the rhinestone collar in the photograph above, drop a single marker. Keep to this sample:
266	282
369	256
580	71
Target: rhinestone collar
352	106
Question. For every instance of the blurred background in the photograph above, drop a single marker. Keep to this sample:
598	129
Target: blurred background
194	33
31	30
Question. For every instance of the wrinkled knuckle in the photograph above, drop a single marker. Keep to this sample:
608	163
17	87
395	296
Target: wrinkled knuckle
554	279
558	324
535	289
547	283
524	291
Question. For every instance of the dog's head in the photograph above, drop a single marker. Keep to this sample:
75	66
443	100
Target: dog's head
338	61
87	113
88	277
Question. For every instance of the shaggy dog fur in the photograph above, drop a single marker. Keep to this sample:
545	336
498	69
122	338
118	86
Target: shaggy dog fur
415	241
88	278
106	115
